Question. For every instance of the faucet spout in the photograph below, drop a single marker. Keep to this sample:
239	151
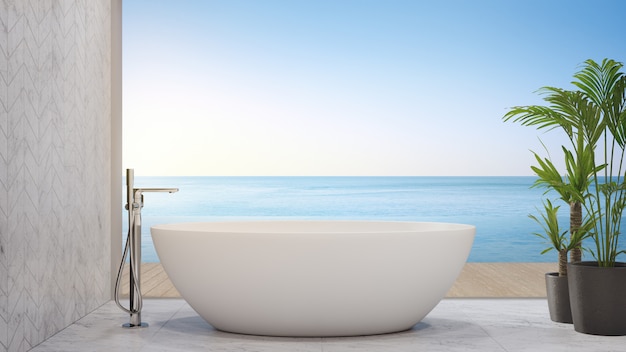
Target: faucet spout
169	190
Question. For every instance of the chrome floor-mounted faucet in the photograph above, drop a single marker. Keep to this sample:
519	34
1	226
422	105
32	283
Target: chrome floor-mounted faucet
134	203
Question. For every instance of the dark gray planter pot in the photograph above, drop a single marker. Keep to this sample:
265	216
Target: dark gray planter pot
598	298
557	291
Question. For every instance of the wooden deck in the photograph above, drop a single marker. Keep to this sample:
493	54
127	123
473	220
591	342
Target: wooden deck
502	280
477	280
154	282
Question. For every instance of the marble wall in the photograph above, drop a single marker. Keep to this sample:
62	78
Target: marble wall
55	165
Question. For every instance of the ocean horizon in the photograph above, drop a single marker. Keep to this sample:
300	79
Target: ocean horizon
497	205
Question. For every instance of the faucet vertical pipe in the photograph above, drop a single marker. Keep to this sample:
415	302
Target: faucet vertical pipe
135	262
134	203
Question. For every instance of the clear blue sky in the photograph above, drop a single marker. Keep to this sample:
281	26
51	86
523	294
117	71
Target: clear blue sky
349	87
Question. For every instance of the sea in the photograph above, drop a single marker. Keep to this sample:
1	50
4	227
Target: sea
497	206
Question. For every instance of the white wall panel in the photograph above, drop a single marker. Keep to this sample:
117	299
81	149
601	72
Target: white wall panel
55	165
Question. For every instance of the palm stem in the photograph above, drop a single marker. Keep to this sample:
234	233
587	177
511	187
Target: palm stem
563	262
575	221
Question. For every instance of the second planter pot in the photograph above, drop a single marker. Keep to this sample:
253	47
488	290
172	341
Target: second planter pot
558	298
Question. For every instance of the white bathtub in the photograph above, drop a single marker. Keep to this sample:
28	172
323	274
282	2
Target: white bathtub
313	278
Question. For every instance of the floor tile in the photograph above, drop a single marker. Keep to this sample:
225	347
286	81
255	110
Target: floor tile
486	325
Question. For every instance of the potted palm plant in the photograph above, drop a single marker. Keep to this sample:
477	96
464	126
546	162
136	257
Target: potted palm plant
594	120
556	282
598	288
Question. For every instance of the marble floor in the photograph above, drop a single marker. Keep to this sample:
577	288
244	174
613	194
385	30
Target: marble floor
456	324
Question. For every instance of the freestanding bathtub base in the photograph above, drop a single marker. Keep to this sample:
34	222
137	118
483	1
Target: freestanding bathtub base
313	278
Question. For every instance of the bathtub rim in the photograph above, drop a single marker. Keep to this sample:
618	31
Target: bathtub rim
260	227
